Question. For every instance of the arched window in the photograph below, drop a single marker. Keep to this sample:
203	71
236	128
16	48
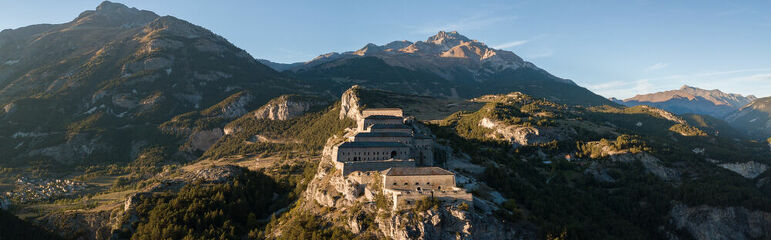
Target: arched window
393	154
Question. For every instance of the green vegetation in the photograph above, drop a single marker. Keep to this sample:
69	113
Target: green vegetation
426	203
307	133
309	226
566	202
209	211
687	130
11	227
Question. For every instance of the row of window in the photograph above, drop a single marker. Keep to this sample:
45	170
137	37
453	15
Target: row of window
393	153
366	158
416	183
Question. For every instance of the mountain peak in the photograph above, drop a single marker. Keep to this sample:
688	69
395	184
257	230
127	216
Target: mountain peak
114	14
108	6
443	37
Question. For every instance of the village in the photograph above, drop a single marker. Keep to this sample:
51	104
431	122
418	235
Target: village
32	190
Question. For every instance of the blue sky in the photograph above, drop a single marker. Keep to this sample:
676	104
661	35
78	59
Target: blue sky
614	48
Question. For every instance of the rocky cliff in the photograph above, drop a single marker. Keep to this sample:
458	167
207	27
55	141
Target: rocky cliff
288	106
713	223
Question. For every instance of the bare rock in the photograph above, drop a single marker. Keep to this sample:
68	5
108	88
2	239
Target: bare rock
351	104
707	223
218	174
749	169
288	107
202	140
652	164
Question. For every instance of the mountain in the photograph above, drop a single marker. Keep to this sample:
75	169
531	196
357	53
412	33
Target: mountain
753	119
689	99
447	64
95	89
279	66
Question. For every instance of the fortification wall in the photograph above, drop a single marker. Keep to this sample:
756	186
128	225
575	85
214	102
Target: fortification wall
401	130
422	182
382	111
407	199
405	140
363	166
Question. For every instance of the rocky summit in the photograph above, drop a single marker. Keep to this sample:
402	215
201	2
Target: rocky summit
447	64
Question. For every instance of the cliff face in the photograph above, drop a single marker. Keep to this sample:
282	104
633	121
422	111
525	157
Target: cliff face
350	104
749	169
287	107
707	223
524	135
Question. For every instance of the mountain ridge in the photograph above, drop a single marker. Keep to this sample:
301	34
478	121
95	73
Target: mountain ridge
690	99
446	64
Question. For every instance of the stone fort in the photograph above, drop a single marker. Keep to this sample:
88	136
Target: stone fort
384	143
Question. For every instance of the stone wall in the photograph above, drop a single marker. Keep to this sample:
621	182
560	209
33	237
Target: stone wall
382	111
407	199
364	166
405	140
364	123
424	151
370	153
401	130
424	182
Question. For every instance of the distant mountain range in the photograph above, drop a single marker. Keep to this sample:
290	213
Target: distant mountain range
447	64
748	114
689	99
753	119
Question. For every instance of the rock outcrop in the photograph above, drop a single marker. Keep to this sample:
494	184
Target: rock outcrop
350	104
749	169
652	164
288	107
708	223
446	223
524	135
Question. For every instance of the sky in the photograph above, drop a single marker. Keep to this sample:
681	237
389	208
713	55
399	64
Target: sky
614	48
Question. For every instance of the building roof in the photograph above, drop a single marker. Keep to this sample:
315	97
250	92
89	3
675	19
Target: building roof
382	109
371	144
383	117
383	134
421	136
417	171
389	126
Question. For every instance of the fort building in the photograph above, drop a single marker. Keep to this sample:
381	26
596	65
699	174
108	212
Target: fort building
405	185
384	143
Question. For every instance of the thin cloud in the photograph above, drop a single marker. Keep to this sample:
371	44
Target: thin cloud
656	66
511	44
